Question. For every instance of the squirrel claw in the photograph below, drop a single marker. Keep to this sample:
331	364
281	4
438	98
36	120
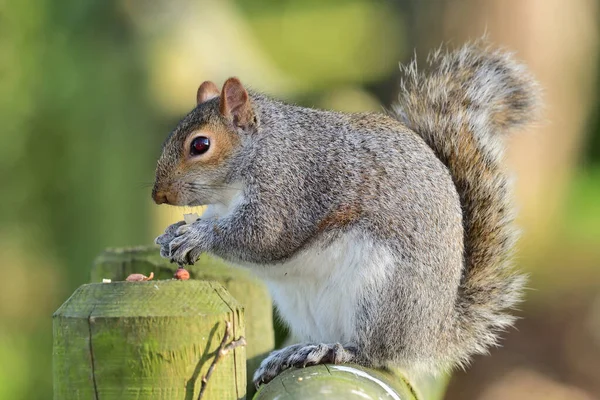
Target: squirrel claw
181	245
300	356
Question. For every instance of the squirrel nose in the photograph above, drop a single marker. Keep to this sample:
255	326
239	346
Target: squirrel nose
159	197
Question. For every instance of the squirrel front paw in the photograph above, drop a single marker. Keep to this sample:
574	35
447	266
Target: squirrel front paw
300	356
181	243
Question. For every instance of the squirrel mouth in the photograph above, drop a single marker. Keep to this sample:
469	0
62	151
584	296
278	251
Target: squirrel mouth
195	203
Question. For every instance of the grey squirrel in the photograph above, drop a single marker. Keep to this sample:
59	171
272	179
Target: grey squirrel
384	239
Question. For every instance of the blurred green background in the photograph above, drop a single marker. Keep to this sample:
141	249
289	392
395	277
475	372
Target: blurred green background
89	89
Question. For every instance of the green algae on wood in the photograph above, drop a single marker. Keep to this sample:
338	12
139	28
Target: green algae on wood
117	264
146	340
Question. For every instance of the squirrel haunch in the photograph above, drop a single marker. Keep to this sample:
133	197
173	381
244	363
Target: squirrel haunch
385	239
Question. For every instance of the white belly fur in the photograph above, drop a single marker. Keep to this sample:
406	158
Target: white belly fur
317	292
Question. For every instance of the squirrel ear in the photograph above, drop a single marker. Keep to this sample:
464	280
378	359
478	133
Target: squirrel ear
207	91
235	103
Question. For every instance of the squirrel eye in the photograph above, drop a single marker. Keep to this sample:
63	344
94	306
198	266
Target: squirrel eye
199	145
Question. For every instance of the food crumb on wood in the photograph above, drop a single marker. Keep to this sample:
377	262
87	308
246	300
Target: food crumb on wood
139	277
190	218
181	274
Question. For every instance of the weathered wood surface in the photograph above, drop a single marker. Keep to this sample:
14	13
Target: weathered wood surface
348	382
146	340
117	264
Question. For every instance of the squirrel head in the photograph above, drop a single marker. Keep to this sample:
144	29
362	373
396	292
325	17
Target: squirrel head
194	166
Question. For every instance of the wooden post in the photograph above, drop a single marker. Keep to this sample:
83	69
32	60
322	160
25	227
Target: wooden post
117	264
147	340
349	381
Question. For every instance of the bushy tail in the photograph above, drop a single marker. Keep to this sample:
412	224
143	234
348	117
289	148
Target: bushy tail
462	107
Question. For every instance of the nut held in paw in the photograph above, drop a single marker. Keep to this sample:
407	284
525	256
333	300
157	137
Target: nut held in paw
190	218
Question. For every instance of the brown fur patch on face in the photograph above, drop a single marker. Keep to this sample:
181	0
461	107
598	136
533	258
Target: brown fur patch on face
222	144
